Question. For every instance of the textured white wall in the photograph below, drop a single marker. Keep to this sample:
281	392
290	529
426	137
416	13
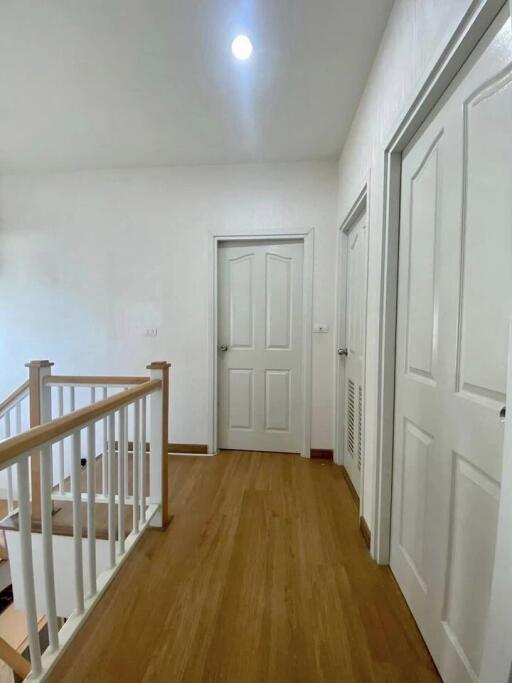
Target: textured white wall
88	260
416	33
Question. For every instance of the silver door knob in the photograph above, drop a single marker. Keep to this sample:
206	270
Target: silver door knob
342	351
503	414
223	347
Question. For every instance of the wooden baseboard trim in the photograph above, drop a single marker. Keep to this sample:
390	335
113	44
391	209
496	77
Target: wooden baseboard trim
363	526
193	448
350	485
365	531
325	453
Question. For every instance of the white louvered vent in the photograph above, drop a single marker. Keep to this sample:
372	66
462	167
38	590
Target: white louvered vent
351	418
359	428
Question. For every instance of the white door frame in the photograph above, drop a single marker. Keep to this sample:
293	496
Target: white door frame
360	206
467	35
307	237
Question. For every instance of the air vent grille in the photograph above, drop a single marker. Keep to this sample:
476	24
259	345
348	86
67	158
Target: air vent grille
351	409
359	428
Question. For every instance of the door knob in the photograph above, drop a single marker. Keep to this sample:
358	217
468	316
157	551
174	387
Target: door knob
503	414
342	351
223	347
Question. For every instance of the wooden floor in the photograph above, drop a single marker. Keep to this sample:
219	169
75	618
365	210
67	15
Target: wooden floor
262	576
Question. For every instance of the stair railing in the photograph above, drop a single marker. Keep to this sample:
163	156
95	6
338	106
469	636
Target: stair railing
65	392
13	410
127	412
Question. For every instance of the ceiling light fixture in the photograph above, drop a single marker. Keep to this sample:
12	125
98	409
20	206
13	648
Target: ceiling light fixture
241	47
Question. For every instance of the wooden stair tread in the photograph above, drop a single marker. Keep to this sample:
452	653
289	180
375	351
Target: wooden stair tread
63	515
63	520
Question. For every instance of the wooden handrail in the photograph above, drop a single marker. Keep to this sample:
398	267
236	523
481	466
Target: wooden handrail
101	381
13	396
51	431
13	659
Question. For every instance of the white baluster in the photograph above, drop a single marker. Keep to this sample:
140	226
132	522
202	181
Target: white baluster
121	457
77	521
126	463
71	407
27	567
10	491
143	457
91	504
46	532
135	464
60	409
104	455
111	492
10	488
18	417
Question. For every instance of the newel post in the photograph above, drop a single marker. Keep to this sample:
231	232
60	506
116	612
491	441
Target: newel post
40	412
159	443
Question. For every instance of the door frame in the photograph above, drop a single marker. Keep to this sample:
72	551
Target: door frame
465	38
308	239
360	206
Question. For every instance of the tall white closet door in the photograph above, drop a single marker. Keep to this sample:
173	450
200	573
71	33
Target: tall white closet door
455	299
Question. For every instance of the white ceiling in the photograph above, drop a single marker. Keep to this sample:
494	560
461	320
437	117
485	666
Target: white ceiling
105	83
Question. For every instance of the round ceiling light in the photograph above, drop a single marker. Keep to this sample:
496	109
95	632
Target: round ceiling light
241	48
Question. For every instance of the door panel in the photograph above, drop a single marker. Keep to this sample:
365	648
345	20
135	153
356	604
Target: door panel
497	657
260	323
471	558
278	285
277	400
454	301
417	451
241	302
241	402
355	312
487	148
422	294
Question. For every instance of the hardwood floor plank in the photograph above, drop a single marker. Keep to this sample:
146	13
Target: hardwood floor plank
261	577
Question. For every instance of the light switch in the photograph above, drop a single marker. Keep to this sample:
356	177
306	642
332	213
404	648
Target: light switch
151	331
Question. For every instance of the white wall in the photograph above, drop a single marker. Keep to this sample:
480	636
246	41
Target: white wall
88	260
65	595
416	33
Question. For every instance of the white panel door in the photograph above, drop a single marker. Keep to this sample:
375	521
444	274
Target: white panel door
497	659
260	345
454	301
355	325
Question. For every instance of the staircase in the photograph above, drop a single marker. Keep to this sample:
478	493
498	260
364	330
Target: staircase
84	461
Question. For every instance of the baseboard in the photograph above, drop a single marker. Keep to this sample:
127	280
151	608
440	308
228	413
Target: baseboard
363	526
325	453
185	454
188	448
365	531
350	485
